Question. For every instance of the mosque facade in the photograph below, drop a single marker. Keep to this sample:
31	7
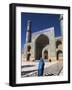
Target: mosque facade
43	44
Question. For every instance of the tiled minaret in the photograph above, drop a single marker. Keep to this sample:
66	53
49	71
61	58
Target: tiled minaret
61	24
28	40
28	33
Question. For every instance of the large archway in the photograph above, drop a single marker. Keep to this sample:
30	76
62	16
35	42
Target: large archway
40	43
59	54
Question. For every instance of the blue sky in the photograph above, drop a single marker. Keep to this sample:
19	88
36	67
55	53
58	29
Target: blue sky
39	22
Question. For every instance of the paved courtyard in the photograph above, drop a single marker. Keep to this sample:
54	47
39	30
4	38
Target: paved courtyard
29	69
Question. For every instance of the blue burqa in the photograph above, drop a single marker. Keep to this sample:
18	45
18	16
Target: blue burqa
41	67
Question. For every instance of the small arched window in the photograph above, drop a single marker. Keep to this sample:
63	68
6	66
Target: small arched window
58	42
28	48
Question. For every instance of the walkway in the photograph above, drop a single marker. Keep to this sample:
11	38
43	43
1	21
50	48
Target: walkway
51	68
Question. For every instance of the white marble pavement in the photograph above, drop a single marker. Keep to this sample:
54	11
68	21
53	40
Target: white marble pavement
50	68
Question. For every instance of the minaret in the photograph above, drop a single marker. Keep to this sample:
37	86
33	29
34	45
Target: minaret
61	24
28	33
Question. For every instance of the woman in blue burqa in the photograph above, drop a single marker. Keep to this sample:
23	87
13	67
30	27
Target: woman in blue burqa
41	67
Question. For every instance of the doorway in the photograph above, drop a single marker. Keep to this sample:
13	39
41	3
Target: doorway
28	57
45	54
59	54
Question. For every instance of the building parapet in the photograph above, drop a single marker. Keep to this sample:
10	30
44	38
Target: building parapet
43	31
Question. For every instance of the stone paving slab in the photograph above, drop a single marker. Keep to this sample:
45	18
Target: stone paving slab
34	65
50	69
54	69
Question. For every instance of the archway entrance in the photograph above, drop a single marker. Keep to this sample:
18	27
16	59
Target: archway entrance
45	54
28	52
28	57
59	55
58	42
40	43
